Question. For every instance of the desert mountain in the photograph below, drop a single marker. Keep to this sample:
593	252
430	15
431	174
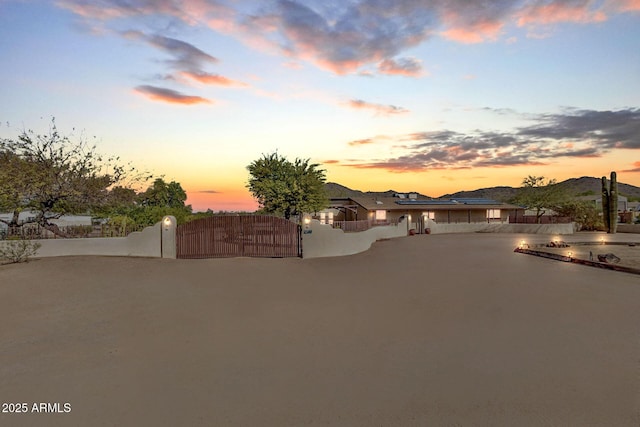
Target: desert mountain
335	190
584	186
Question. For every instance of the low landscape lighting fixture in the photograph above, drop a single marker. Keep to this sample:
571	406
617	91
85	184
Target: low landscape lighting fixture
570	254
602	240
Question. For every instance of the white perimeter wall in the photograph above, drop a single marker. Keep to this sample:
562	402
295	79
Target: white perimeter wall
501	228
157	241
325	241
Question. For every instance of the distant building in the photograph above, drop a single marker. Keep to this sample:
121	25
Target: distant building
623	204
63	221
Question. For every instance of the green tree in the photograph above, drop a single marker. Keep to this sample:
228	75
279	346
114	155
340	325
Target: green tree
540	195
160	193
53	176
583	213
131	211
121	197
287	188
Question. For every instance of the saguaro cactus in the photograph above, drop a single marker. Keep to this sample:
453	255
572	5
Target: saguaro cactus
605	203
610	203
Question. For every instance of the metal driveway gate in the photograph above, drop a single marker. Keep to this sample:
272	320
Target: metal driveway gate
235	236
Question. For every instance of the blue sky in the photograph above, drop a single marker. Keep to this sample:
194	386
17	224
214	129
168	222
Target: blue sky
430	96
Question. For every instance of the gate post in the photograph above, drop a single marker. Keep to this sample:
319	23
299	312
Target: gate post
168	243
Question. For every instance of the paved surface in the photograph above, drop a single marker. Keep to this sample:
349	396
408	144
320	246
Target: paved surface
452	330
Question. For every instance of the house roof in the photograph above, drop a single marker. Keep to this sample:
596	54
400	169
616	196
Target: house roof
397	204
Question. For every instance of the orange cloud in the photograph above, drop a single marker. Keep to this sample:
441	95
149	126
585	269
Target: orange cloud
331	162
169	95
359	104
361	142
559	12
634	169
213	79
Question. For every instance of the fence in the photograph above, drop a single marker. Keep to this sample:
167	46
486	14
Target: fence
532	219
36	231
234	236
357	226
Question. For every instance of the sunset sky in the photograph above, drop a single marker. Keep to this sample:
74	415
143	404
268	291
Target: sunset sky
434	96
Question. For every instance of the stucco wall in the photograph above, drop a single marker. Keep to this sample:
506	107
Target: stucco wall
325	241
501	228
628	228
156	241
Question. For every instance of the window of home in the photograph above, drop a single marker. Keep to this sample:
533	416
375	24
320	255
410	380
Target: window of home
381	215
429	215
493	214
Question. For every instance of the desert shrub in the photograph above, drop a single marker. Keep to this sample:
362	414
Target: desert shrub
18	250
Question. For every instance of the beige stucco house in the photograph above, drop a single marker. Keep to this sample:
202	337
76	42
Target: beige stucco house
419	211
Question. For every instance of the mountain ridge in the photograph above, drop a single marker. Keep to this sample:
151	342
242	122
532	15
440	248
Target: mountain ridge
583	186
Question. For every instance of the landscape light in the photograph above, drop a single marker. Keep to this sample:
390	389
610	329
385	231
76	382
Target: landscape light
602	240
570	254
307	220
167	221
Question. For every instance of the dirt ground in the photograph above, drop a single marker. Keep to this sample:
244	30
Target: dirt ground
430	330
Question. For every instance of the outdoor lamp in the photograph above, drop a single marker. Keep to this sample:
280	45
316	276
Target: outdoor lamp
570	254
307	220
167	222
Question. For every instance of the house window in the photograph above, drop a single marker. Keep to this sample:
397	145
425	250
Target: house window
429	215
381	215
493	214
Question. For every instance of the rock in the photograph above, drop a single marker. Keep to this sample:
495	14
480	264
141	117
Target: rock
608	258
557	244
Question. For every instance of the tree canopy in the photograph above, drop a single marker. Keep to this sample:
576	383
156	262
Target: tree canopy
53	176
540	195
287	188
162	194
129	210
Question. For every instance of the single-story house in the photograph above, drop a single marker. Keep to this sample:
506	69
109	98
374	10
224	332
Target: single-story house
419	211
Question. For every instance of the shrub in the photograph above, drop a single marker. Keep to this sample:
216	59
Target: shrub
18	250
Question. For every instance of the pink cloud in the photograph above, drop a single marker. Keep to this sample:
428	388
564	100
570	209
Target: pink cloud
169	95
626	5
559	11
409	67
474	33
